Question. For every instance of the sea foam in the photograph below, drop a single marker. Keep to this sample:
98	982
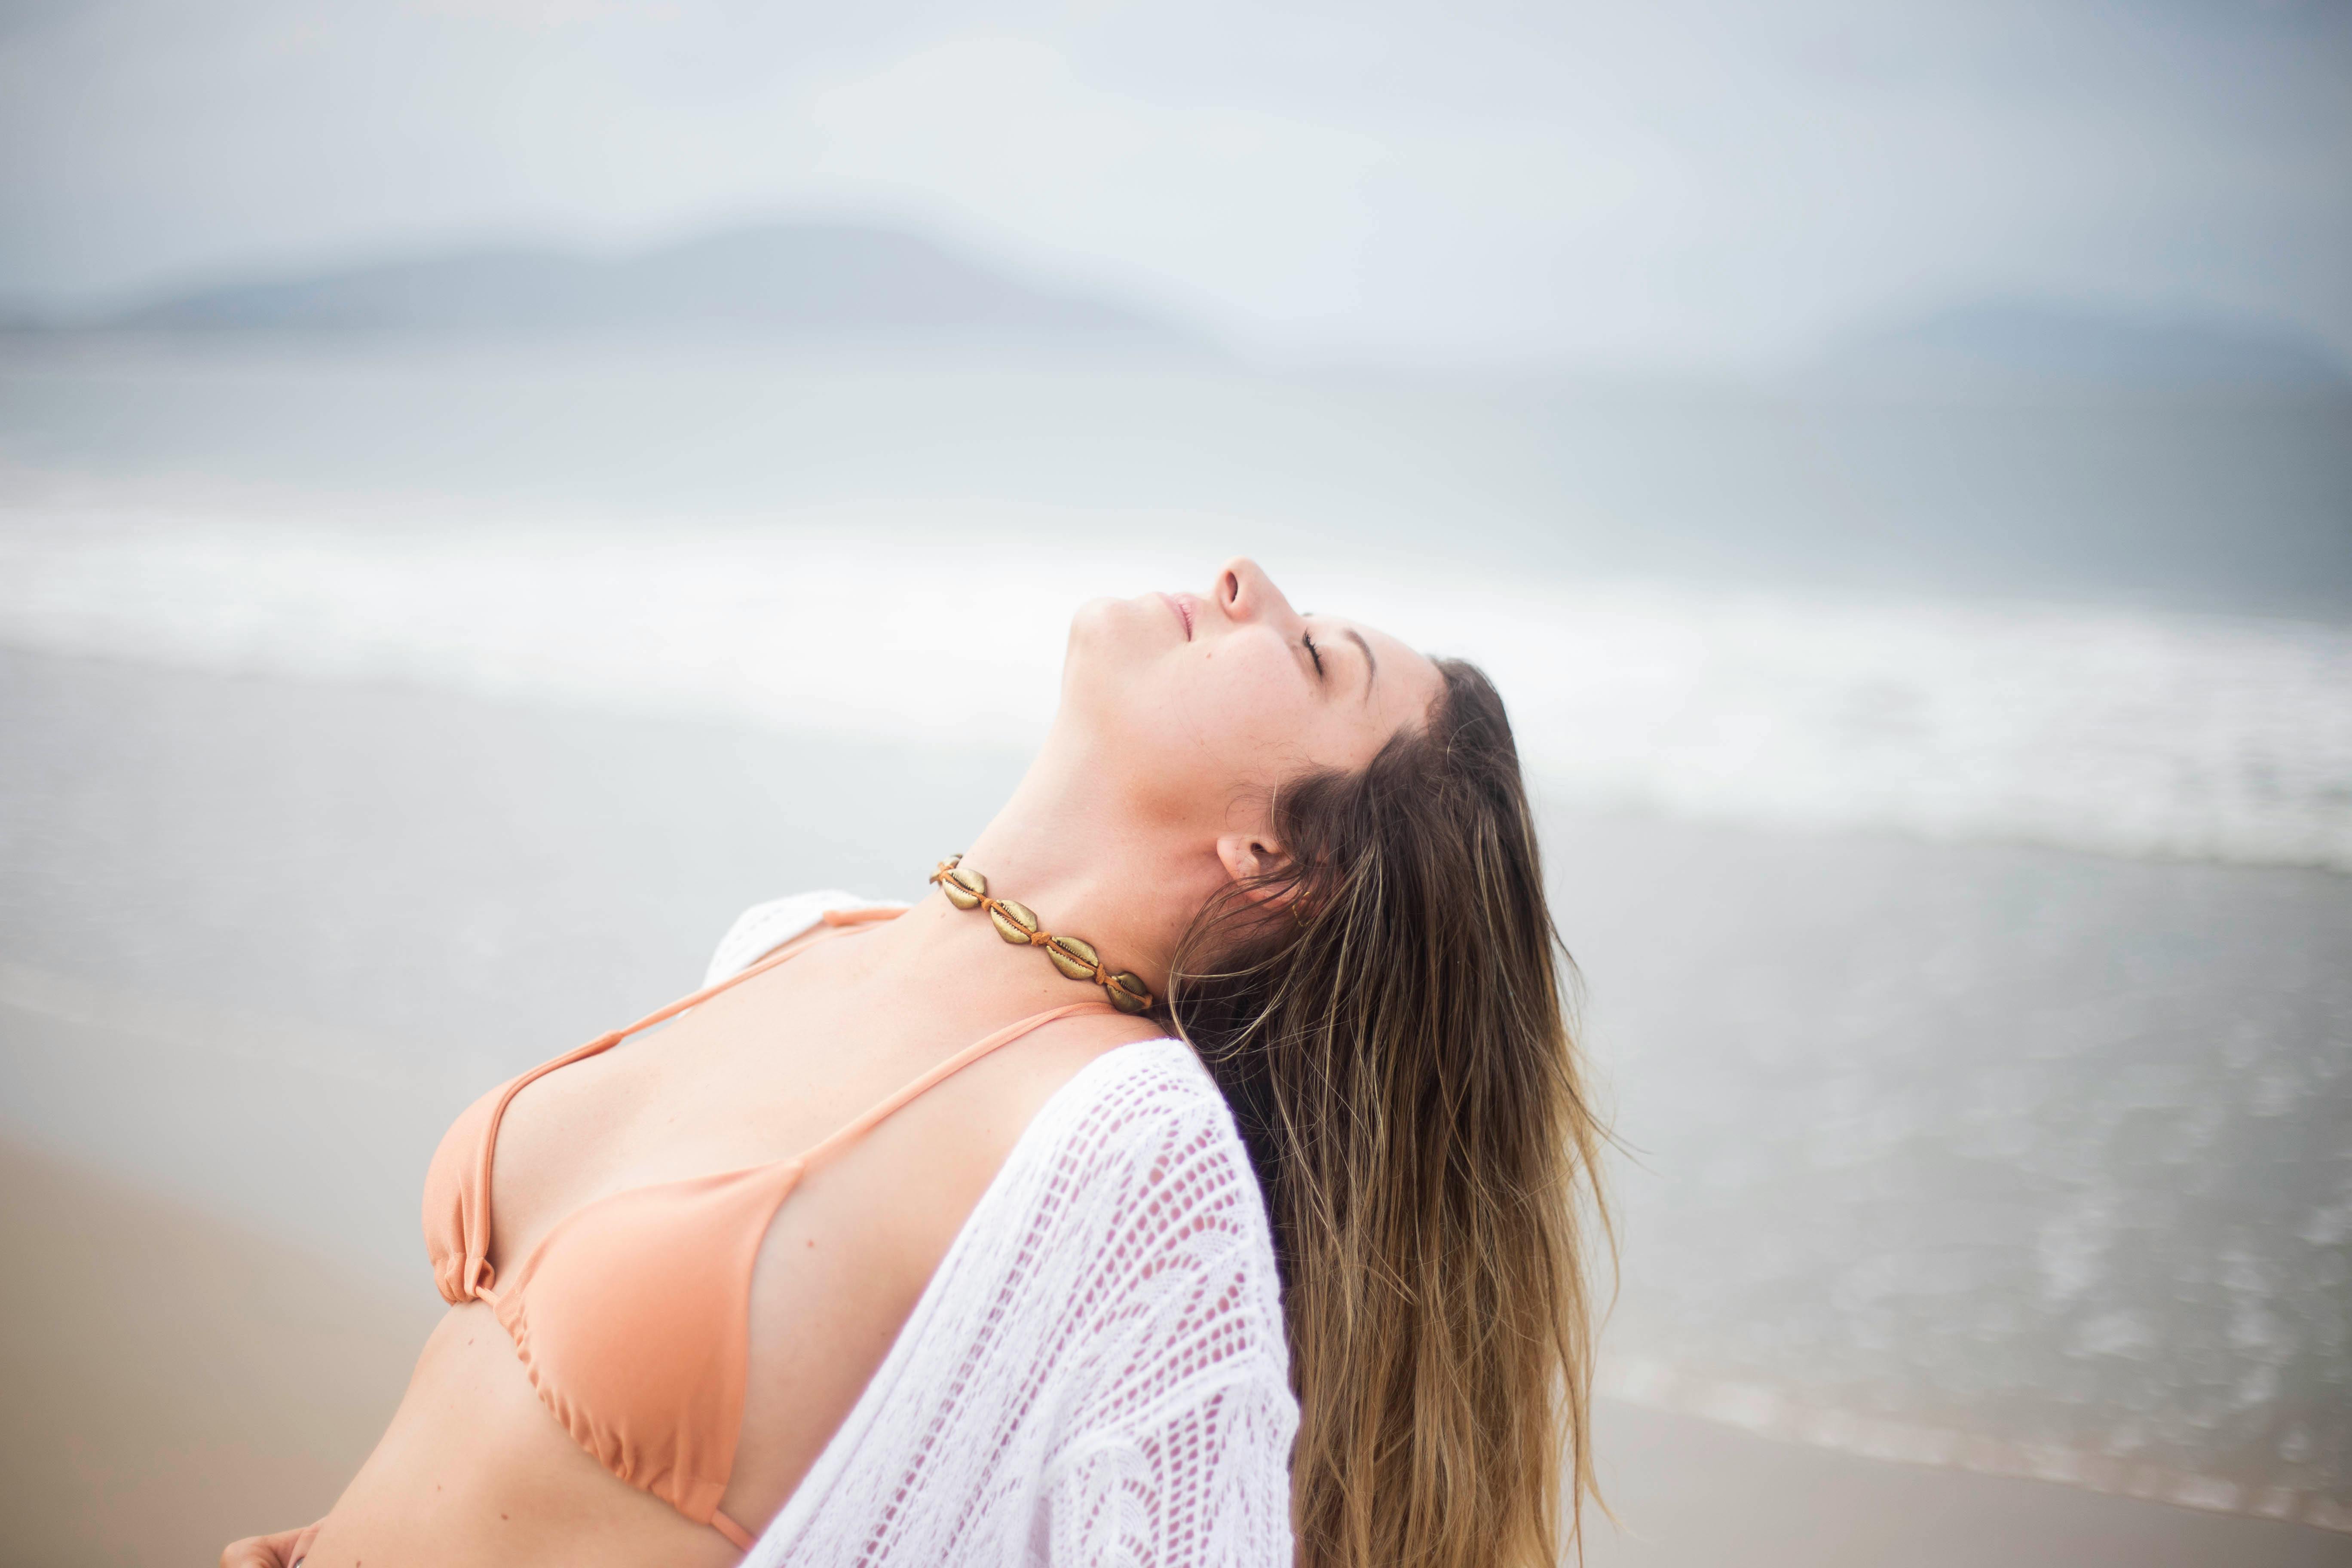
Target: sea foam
2124	732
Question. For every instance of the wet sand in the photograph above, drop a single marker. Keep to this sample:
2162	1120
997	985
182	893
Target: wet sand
261	939
174	1380
1693	1494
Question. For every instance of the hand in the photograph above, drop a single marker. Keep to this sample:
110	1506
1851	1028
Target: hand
282	1550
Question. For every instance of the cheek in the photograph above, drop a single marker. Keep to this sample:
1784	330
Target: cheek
1265	720
1244	720
1197	733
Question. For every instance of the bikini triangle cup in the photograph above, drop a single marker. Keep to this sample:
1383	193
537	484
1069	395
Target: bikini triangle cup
631	1314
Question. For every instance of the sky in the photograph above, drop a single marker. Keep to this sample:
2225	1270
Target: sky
1666	184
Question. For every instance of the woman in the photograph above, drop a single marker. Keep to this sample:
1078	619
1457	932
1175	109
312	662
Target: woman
1025	1306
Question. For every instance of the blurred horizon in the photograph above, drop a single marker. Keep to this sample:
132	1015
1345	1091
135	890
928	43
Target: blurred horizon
789	281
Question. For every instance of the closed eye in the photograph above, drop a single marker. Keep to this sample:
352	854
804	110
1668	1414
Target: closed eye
1313	652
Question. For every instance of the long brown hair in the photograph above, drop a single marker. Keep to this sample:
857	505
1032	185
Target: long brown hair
1389	1016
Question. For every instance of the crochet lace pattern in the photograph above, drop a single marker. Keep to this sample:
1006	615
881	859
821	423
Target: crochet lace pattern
1096	1375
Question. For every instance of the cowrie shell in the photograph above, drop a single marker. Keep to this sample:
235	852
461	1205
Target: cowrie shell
964	888
1076	959
1014	923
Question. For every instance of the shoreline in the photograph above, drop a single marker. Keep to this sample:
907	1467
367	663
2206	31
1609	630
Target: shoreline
1772	1414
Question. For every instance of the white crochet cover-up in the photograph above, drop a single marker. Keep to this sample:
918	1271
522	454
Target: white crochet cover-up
1096	1374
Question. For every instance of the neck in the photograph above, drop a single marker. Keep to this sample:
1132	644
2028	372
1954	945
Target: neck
1086	867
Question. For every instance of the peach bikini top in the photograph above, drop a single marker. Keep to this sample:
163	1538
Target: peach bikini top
632	1315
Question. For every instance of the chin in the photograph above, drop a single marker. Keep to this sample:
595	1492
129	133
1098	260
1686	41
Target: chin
1095	618
1103	662
1113	632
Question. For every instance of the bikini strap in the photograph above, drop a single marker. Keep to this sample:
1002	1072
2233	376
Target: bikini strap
478	1275
938	1075
863	917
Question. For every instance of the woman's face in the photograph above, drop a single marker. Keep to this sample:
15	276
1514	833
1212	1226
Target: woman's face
1195	704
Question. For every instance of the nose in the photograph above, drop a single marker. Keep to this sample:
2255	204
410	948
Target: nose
1247	593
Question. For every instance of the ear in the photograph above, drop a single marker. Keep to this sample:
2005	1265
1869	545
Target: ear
1247	856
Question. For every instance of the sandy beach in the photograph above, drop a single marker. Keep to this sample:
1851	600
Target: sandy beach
259	939
176	1378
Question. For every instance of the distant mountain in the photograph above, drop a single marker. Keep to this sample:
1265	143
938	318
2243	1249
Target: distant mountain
2028	342
801	281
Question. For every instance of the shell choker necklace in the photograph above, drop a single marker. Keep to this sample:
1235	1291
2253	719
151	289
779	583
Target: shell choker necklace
1018	924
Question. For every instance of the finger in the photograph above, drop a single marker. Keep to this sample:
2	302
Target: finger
278	1550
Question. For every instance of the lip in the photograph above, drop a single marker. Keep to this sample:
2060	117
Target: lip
1183	613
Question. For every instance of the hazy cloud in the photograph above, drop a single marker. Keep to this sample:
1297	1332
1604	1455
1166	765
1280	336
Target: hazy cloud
1670	181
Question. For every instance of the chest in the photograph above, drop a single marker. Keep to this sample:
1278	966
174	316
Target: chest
747	1081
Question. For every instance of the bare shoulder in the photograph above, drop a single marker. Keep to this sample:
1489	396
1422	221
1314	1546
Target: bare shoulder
1045	1069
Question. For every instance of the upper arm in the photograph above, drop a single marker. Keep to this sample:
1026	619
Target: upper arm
1204	1483
1178	1451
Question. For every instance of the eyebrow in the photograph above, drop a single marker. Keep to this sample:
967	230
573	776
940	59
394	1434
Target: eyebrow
1372	665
